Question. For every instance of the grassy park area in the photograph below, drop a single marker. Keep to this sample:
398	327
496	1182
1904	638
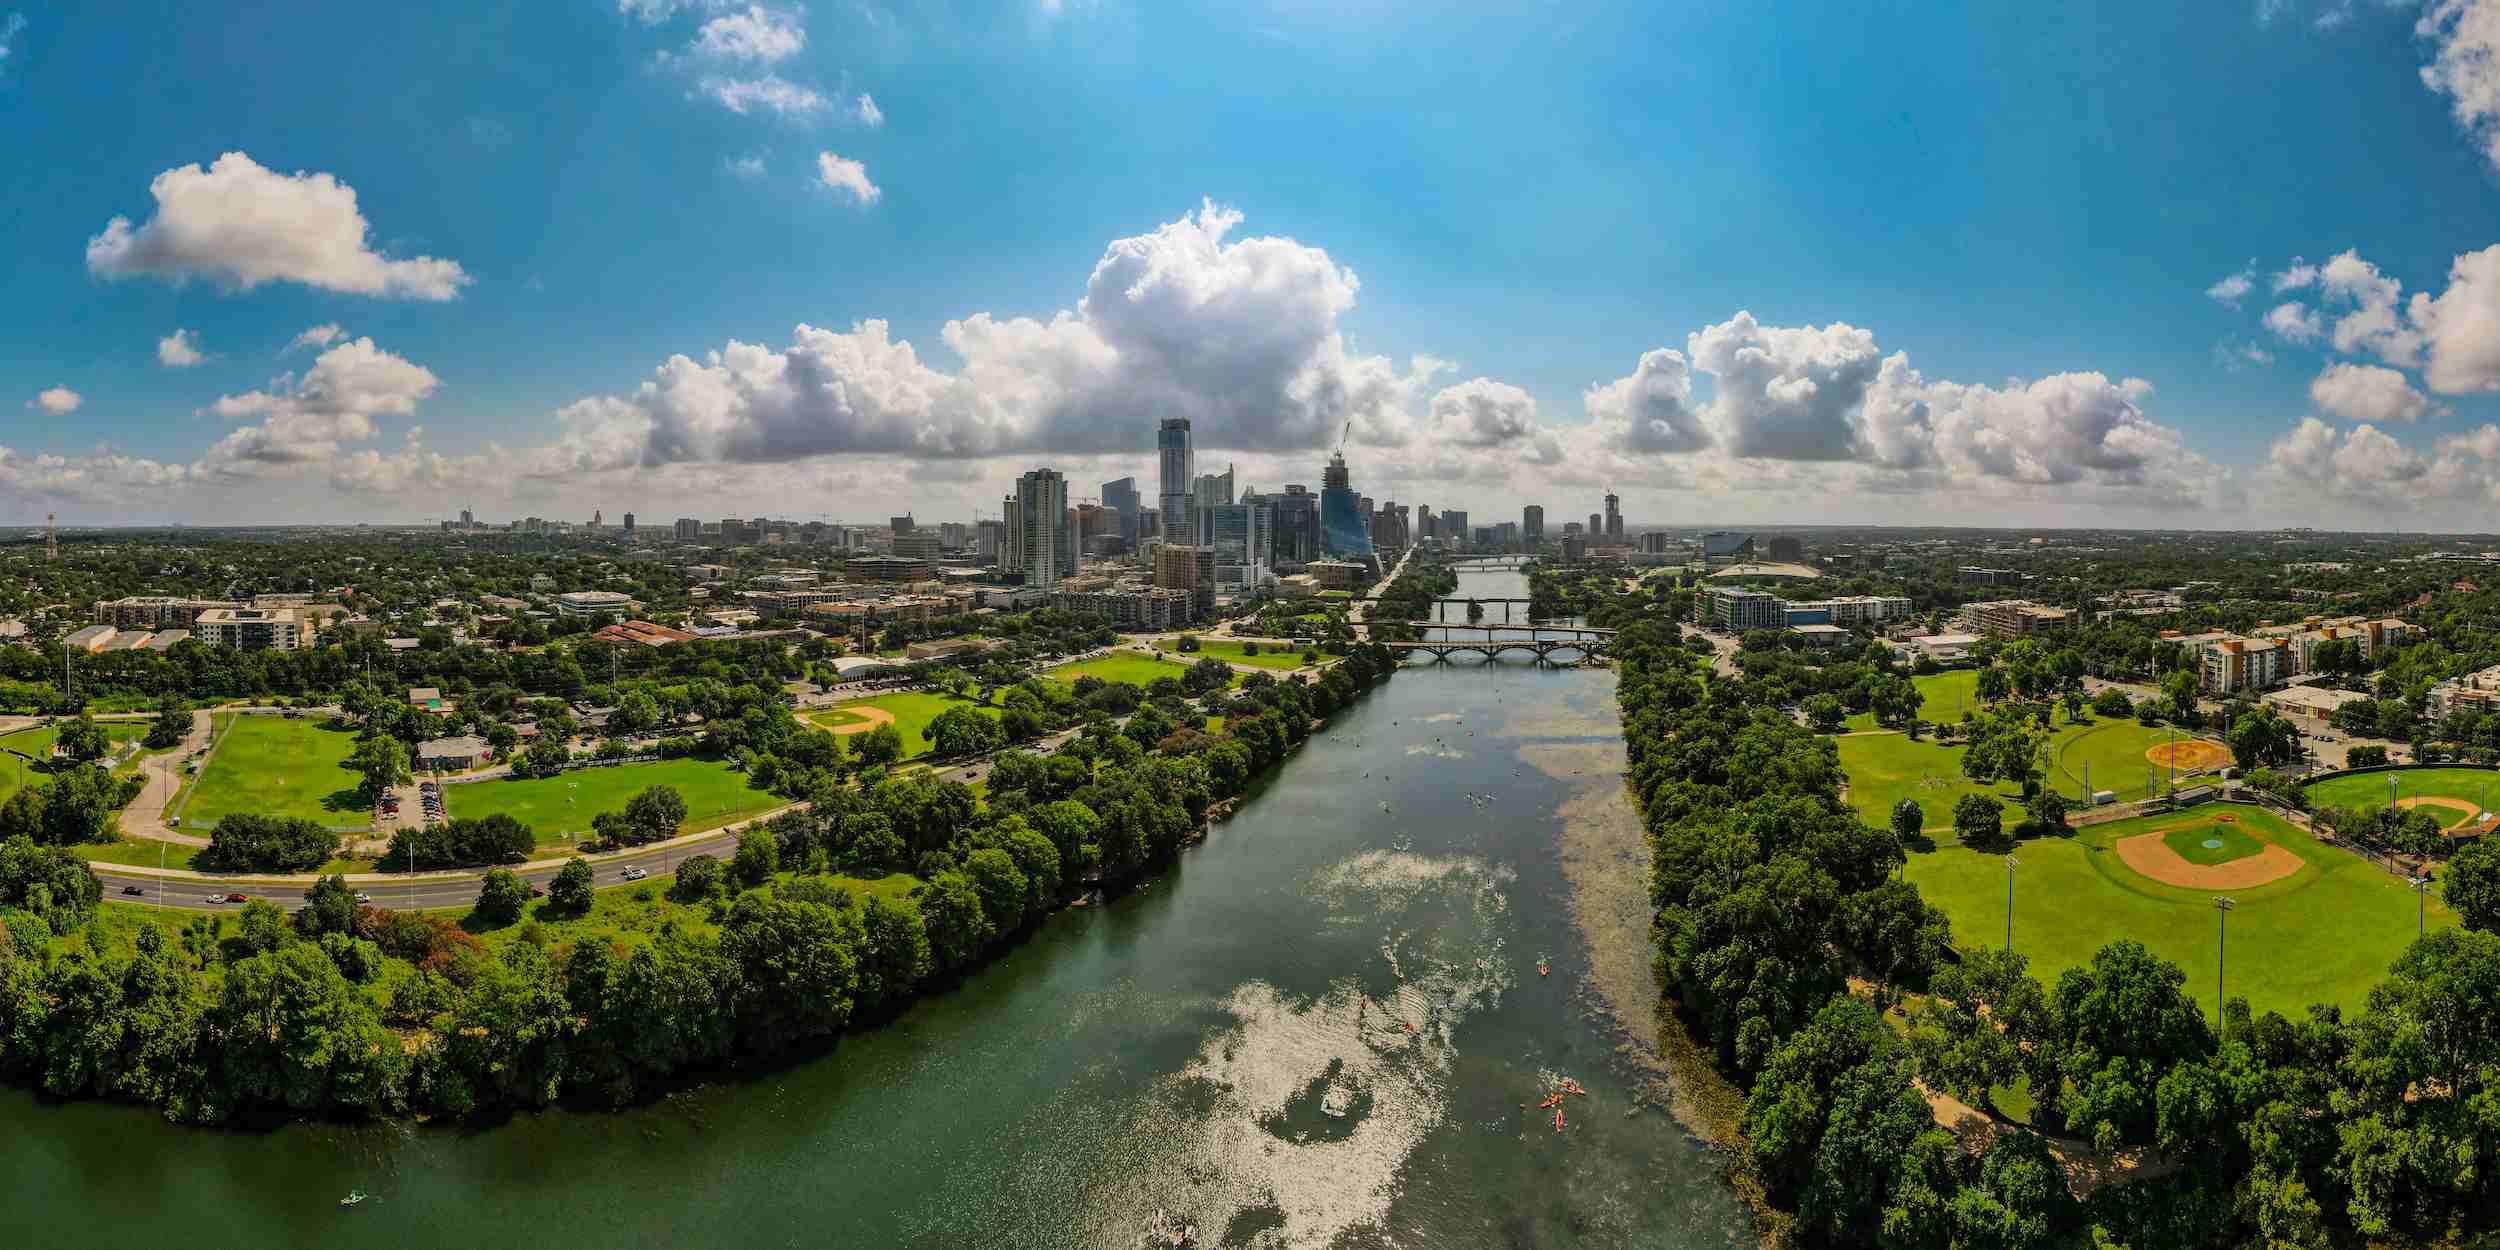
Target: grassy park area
277	766
1885	768
1122	666
1943	697
2324	934
715	795
2478	788
1275	655
910	711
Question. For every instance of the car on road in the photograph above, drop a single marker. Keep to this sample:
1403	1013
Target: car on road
238	898
635	874
363	897
214	898
132	889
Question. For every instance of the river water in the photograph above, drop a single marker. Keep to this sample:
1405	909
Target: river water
1324	1027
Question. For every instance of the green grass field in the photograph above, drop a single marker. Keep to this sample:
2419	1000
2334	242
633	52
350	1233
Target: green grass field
912	711
1125	666
1942	699
278	766
2323	935
1885	768
2478	786
1271	655
39	741
552	807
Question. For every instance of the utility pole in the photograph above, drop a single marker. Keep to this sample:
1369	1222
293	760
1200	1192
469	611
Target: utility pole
2422	905
2222	913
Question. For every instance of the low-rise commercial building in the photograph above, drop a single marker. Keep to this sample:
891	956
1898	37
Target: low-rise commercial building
1822	635
594	603
90	640
642	633
1940	648
451	755
2475	692
157	611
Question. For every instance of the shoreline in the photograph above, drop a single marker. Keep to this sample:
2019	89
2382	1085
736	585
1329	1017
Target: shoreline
1603	851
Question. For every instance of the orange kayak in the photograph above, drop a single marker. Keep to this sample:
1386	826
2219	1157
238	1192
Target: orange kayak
1558	1119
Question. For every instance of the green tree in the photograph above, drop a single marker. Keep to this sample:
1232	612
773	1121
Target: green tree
1978	820
2046	810
79	806
1004	889
1994	684
656	813
2112	702
757	859
961	731
797	970
570	893
2262	737
329	907
2471	884
1908	818
500	897
2005	745
83	740
263	926
1824	712
698	878
880	747
958	928
2121	1023
2179	688
382	762
171	726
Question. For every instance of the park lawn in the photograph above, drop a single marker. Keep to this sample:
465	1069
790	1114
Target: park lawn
1885	768
1943	697
1271	655
912	711
1121	666
39	740
279	766
552	807
2478	786
2111	752
2324	935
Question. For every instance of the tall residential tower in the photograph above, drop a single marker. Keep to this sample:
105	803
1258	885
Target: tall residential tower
1172	445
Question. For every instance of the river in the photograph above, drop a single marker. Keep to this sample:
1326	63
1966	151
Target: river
1362	937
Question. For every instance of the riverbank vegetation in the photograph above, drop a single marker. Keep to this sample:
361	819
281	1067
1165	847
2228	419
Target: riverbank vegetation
1828	988
347	1009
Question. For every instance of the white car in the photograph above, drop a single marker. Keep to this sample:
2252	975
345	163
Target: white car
363	897
635	874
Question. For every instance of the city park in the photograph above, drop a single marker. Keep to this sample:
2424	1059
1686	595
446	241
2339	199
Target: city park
2240	895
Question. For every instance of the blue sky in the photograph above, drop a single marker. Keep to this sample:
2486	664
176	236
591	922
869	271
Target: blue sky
2029	202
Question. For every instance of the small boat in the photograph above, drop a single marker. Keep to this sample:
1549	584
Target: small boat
1552	1101
353	1197
1542	967
1558	1119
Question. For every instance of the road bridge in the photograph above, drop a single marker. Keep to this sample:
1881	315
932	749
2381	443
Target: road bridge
1576	631
1555	651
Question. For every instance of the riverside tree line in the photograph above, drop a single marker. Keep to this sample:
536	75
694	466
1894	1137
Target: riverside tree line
2325	1129
347	1009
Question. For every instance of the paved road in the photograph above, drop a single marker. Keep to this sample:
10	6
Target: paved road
145	817
189	891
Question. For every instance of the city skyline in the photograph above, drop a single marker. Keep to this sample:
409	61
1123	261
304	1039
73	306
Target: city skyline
288	311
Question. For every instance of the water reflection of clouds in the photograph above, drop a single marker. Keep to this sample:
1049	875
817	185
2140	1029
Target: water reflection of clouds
1231	1111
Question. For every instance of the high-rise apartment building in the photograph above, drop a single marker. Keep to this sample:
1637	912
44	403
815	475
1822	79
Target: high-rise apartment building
1296	515
1011	536
1597	526
629	525
1048	548
1172	451
1454	534
1532	525
1208	492
987	538
689	530
1614	518
901	524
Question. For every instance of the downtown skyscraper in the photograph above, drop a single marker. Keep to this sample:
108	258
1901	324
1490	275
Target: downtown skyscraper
1174	481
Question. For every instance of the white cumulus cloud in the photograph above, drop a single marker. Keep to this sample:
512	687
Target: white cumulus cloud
2367	393
2295	323
836	173
864	110
2232	288
179	350
243	225
2465	66
318	336
768	94
58	401
311	419
2461	327
753	34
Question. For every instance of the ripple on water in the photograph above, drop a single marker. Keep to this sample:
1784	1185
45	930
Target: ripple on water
1294	1120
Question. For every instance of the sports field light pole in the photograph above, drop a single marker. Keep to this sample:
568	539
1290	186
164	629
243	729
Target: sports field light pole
2222	913
2010	862
2422	905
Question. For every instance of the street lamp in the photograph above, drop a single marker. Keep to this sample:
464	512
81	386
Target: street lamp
2010	862
2222	914
2422	904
